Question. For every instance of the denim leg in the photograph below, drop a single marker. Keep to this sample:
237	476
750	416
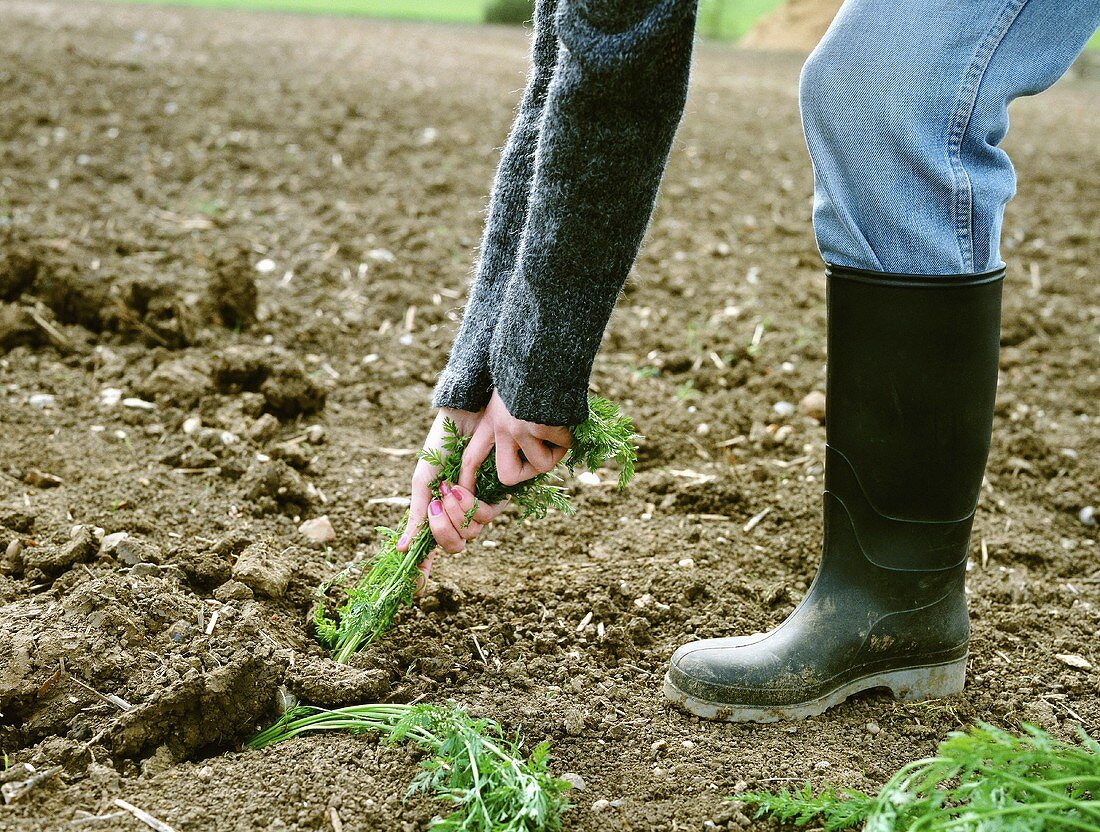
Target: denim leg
904	105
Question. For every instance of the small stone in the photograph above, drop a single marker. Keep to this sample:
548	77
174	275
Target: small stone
145	570
318	530
575	781
872	728
658	747
601	805
821	765
192	424
40	401
588	478
179	631
315	434
784	409
135	403
1074	661
574	722
685	563
263	570
110	542
263	429
813	405
13	557
233	591
131	551
205	774
688	744
1087	515
110	396
41	479
266	266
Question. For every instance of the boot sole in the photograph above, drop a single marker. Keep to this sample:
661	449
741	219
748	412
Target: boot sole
912	684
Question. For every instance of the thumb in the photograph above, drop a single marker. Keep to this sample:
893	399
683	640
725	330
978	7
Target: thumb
475	454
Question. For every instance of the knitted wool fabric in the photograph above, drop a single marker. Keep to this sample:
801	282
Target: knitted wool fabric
585	163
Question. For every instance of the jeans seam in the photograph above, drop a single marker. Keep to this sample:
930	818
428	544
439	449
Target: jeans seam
963	196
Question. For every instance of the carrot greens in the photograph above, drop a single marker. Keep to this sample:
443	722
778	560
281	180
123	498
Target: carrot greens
471	764
391	579
981	780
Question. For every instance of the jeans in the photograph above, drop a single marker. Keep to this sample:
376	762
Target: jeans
904	104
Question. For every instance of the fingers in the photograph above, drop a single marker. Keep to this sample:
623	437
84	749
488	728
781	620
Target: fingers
425	568
487	513
443	530
559	436
456	502
476	452
418	505
511	470
538	453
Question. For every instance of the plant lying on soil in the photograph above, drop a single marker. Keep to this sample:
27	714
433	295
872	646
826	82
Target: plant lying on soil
392	577
471	765
982	780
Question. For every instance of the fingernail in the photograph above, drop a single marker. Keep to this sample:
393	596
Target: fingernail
458	492
443	487
402	541
435	508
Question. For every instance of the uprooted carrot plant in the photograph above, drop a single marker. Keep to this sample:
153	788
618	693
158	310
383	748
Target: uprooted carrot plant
390	580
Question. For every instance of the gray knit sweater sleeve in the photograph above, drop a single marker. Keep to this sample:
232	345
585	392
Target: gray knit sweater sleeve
465	382
611	109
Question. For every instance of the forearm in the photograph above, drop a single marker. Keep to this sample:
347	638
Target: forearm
466	382
611	113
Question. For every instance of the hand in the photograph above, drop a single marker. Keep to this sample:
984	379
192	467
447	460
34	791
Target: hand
523	449
447	516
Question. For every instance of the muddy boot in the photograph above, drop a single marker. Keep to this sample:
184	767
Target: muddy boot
912	374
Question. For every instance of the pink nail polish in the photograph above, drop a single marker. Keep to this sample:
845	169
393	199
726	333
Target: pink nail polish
444	488
402	541
435	508
458	493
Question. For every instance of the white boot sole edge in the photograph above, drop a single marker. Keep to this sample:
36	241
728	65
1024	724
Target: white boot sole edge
913	684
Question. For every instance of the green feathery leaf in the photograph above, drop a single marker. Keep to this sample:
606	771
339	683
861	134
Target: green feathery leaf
473	766
981	780
390	581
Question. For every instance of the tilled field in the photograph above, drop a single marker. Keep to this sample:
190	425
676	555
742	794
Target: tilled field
233	249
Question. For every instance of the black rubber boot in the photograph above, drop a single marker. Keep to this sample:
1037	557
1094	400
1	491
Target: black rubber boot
912	375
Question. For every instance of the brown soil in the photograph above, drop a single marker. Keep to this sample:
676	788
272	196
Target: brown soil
153	157
796	26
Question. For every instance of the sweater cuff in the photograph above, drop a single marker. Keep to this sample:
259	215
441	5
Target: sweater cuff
541	356
463	385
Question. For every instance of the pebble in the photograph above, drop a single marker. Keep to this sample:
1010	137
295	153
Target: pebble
266	266
134	403
872	728
233	591
601	805
821	765
784	409
588	478
110	396
41	400
179	631
263	428
813	405
574	780
688	744
40	479
110	542
1087	515
206	774
193	424
318	530
686	563
315	434
145	570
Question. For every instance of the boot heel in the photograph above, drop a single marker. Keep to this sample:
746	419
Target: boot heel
920	683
